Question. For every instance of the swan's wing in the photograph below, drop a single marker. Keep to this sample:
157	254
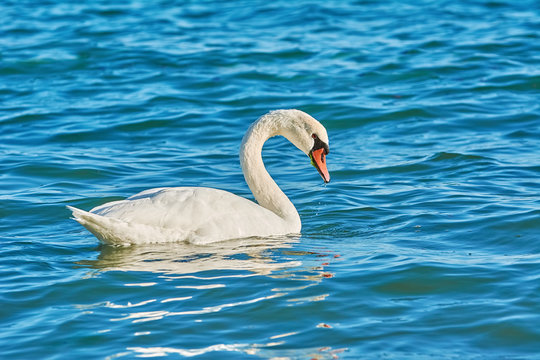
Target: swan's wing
201	215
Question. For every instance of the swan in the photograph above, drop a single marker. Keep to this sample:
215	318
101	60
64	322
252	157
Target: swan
200	215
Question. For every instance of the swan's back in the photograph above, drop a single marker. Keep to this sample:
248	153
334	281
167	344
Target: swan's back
195	214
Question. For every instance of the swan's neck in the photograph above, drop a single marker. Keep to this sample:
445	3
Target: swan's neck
264	188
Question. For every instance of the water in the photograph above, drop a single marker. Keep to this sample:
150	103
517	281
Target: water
424	245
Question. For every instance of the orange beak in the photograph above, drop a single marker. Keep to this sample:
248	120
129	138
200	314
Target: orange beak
318	159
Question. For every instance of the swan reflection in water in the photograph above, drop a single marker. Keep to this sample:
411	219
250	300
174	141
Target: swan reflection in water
186	274
249	254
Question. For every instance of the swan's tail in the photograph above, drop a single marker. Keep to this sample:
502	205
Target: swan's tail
108	230
118	232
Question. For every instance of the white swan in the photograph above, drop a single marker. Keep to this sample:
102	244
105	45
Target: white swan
202	215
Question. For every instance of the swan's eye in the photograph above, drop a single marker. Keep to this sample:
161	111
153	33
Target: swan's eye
318	144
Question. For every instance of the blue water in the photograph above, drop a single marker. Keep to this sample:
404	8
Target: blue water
425	244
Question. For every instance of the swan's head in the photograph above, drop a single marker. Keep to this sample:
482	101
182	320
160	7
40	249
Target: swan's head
308	135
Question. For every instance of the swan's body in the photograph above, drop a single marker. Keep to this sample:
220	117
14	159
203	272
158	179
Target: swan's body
203	215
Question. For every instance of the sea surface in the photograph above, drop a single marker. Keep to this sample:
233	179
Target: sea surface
425	244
